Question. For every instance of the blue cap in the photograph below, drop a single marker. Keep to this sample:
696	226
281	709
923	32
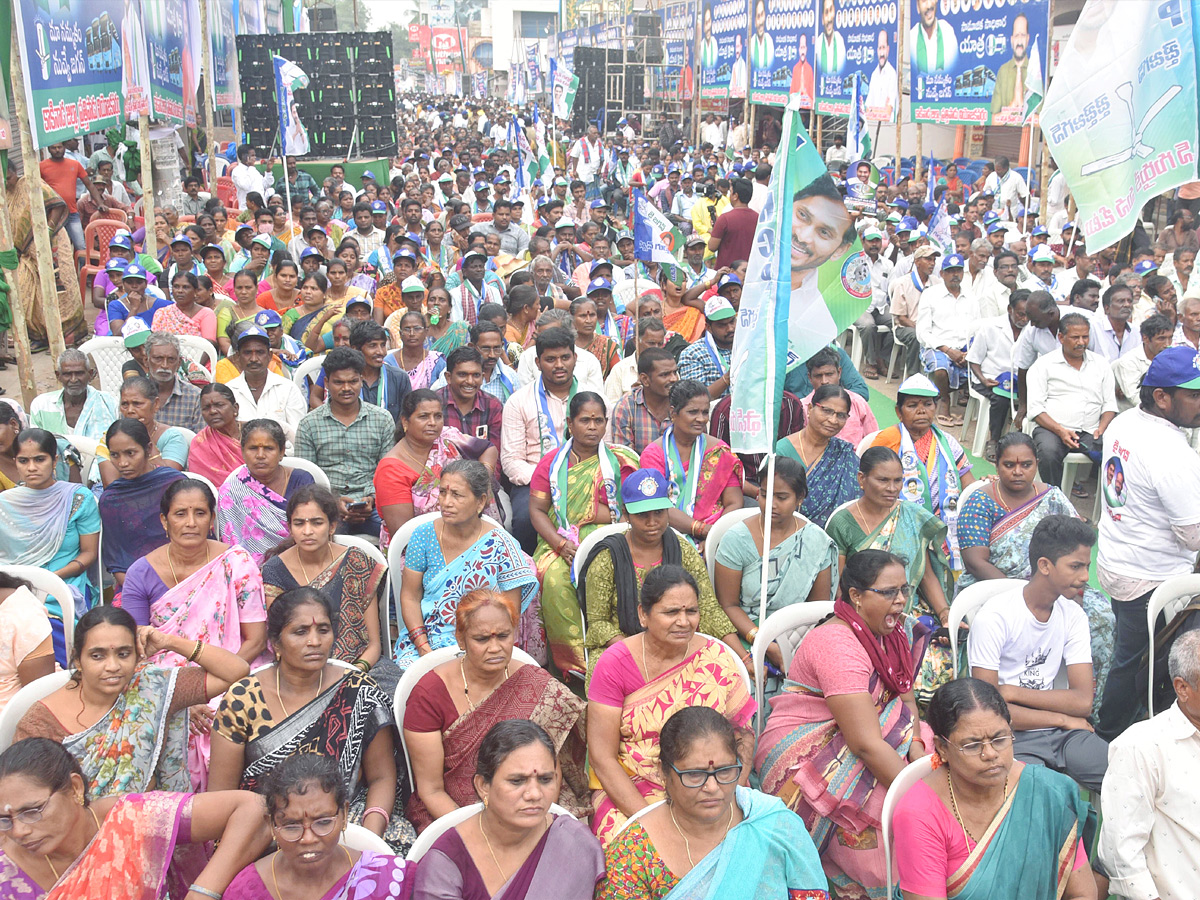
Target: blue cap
953	261
599	264
727	279
598	203
899	203
360	299
268	318
1069	226
253	332
116	264
368	174
1039	230
245	226
1174	367
133	270
908	223
480	186
309	251
1145	267
404	253
990	216
673	167
644	490
121	240
658	170
930	207
1005	386
378	206
500	179
181	239
996	226
599	284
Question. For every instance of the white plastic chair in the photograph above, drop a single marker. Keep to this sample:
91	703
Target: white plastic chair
307	370
108	354
970	489
440	826
340	663
898	346
1072	464
637	815
416	671
201	478
901	785
967	603
587	546
188	434
865	444
787	628
196	349
717	532
307	465
354	540
1168	598
38	689
980	408
358	838
46	582
87	448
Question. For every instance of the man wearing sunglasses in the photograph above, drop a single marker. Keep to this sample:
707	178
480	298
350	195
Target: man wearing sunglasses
1021	641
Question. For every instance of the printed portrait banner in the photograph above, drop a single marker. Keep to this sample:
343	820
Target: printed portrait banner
1120	116
74	56
226	91
857	36
480	84
972	61
562	98
567	41
721	53
789	312
679	43
173	68
781	40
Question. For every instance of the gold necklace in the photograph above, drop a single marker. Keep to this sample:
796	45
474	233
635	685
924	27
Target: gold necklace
320	683
954	806
467	691
171	562
275	881
861	520
495	861
46	856
304	571
686	844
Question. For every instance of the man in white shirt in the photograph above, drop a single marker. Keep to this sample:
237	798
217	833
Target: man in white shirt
1037	339
837	154
1081	269
1071	398
711	132
877	345
1150	832
979	275
586	368
995	290
247	179
881	94
1041	275
990	358
1112	336
831	46
1150	527
1057	192
1009	188
585	160
1021	640
1157	333
946	320
262	394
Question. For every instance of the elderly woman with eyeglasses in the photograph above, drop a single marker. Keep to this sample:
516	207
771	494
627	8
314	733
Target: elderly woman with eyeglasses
834	743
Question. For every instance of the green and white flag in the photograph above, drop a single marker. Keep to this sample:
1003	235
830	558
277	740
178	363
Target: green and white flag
790	312
565	84
1035	90
1120	116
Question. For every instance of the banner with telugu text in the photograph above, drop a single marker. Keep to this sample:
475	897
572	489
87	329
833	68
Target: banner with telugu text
1120	116
781	38
858	36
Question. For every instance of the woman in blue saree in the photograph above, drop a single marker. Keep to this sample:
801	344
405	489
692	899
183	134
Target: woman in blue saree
452	556
830	463
763	852
983	826
995	524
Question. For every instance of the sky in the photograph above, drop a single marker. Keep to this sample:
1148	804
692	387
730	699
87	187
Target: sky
384	12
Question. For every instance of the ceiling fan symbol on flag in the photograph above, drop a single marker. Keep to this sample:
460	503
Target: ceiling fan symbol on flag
1124	91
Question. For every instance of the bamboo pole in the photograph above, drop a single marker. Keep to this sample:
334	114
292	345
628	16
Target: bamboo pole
1044	171
150	244
900	40
917	163
20	329
206	70
43	253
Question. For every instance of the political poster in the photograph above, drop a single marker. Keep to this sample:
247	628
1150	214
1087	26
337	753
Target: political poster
1120	116
567	41
972	61
857	36
479	84
289	78
5	119
679	45
806	281
171	64
533	75
221	33
562	97
73	54
721	51
781	40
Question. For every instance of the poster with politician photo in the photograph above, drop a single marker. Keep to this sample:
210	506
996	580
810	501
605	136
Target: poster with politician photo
857	36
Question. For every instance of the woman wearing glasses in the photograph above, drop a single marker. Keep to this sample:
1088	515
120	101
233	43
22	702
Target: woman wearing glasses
711	838
984	825
833	744
57	842
830	463
640	681
307	810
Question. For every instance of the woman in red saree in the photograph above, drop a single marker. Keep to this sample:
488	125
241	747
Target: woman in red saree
217	450
60	846
455	705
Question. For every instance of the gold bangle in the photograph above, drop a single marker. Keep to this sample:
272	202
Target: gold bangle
196	653
752	634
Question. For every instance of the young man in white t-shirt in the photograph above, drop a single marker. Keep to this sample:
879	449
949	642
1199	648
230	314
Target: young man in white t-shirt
1021	639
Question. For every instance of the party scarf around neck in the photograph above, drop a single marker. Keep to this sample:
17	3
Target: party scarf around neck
548	432
610	470
683	487
891	656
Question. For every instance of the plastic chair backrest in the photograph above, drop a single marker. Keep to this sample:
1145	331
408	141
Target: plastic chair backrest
108	355
358	838
787	628
87	448
196	349
307	370
901	785
717	532
969	601
46	582
38	689
637	815
307	465
201	478
1168	598
425	840
973	486
865	444
96	236
587	547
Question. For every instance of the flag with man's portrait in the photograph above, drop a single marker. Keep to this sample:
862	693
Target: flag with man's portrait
807	280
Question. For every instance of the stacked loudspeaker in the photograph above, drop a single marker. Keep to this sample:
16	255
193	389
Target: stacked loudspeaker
593	66
351	84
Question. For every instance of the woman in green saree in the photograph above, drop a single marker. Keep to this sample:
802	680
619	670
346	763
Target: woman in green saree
573	491
881	520
983	826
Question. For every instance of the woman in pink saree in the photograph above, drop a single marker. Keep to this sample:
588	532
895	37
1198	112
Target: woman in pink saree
124	847
705	476
201	589
217	450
